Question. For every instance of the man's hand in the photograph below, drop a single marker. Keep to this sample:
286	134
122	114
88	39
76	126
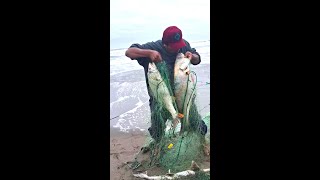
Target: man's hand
155	56
194	58
188	55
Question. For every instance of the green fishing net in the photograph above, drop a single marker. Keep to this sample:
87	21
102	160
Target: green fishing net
170	149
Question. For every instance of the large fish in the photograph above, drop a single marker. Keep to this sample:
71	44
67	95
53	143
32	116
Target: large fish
161	92
184	88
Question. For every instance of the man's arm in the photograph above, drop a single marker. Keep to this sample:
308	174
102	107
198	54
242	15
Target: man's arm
135	53
139	51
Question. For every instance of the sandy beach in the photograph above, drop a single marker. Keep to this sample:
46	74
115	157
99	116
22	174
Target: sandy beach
124	148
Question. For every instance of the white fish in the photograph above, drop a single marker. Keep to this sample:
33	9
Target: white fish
184	87
161	92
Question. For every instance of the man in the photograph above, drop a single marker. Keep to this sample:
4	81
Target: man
167	50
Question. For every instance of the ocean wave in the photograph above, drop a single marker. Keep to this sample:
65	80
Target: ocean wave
121	51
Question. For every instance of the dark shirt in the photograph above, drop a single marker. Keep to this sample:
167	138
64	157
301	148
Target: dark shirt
169	58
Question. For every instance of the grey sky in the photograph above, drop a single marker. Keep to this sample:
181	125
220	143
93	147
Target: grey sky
142	21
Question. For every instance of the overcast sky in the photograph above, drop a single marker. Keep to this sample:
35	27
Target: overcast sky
142	21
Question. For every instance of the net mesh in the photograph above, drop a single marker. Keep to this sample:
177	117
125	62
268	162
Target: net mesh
170	149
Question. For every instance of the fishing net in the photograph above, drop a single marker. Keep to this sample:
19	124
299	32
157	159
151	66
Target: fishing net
168	149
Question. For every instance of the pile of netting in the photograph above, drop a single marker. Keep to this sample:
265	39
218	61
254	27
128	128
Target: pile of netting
174	150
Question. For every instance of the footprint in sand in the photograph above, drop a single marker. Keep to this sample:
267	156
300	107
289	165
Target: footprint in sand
116	156
136	147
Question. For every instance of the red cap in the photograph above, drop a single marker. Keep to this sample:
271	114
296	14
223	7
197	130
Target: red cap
173	36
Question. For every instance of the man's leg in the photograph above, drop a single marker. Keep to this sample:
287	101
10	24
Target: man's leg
157	122
196	121
199	125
